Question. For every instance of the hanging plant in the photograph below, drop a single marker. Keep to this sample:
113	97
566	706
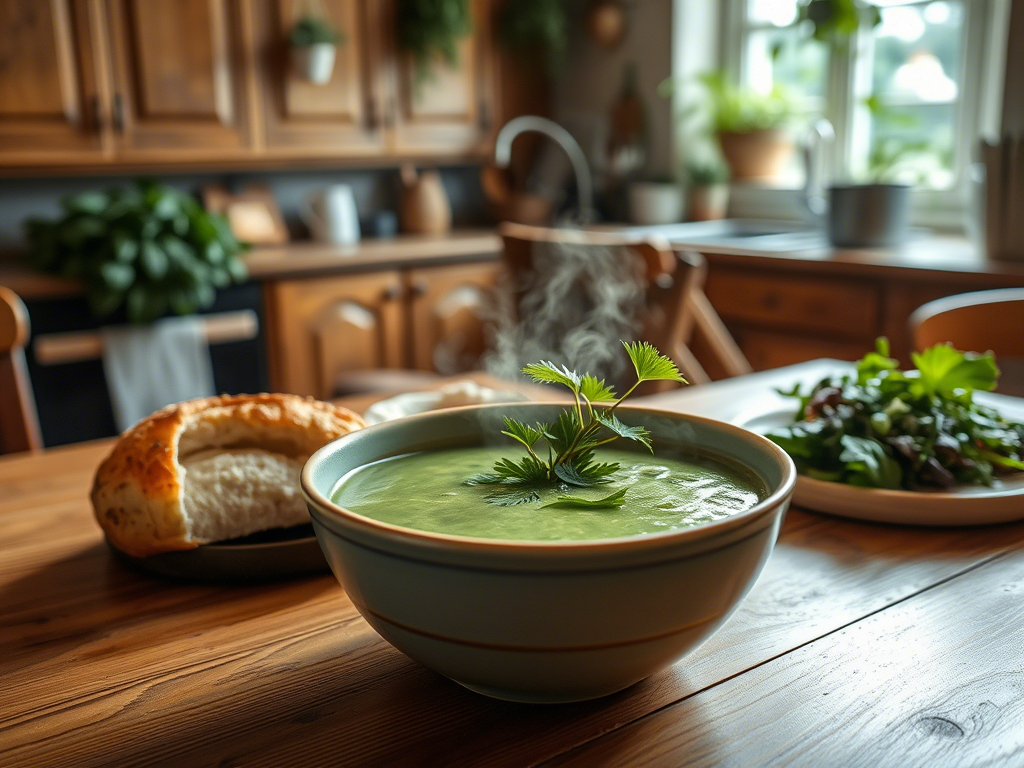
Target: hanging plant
151	249
314	47
429	29
529	26
835	22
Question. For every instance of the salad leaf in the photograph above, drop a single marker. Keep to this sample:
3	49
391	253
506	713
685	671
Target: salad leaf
943	370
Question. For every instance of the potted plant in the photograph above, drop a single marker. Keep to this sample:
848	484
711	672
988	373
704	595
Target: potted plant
314	46
658	201
750	128
430	30
708	191
150	248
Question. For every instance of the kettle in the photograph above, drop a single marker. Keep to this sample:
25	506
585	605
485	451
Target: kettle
424	208
331	215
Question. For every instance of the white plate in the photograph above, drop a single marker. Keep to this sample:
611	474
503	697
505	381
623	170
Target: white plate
965	505
451	395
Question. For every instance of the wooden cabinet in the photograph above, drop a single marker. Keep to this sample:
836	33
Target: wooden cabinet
427	318
449	308
179	78
320	327
150	83
51	104
340	117
451	108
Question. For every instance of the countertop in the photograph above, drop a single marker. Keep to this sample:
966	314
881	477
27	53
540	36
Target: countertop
860	644
926	258
305	259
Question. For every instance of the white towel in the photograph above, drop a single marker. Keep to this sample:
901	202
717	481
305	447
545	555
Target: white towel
150	366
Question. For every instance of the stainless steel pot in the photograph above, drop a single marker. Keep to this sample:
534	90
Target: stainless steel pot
868	215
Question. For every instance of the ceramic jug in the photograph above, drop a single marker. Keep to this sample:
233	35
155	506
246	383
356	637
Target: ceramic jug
331	215
424	205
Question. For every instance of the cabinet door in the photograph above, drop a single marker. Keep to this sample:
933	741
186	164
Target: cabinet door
449	310
322	327
179	78
452	110
340	117
49	102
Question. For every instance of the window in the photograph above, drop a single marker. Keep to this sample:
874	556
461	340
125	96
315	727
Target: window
907	97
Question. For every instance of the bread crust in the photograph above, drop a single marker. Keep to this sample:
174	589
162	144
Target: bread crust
137	493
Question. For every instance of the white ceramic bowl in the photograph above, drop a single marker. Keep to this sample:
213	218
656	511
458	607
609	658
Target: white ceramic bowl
545	621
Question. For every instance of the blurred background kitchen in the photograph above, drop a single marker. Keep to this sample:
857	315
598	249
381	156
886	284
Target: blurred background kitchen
202	196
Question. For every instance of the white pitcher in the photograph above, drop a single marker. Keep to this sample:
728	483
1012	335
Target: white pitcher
331	215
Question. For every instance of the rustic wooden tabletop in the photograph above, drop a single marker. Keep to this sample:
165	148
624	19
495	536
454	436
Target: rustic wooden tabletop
860	644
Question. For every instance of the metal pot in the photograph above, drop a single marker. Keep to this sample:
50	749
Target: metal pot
868	215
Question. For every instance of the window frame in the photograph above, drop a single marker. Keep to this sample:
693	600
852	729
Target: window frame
977	109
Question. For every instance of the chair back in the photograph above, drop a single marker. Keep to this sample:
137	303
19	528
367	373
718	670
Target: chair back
673	282
985	321
19	426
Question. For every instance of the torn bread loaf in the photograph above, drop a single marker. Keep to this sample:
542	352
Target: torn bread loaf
212	469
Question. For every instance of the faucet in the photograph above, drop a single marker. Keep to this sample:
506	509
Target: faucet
558	134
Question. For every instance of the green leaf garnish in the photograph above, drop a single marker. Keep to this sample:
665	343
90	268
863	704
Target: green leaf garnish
943	370
612	501
572	437
650	364
639	434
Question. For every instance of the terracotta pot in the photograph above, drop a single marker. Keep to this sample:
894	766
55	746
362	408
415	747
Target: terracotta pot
756	155
708	203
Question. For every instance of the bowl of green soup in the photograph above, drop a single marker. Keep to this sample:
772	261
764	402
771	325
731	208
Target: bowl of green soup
539	600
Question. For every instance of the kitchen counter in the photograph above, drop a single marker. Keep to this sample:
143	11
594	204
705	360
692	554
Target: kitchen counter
305	258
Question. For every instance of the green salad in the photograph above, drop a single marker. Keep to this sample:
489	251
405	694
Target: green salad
881	427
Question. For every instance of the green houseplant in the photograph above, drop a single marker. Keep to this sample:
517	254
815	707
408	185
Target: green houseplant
749	126
429	29
707	190
149	248
314	47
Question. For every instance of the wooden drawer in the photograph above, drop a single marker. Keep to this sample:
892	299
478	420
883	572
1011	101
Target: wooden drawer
846	308
768	349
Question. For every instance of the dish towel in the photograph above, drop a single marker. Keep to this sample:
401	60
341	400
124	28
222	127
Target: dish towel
150	366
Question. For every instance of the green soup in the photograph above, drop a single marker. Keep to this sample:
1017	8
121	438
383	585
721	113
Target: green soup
425	491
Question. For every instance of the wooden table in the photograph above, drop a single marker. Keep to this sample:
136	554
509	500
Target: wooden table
859	645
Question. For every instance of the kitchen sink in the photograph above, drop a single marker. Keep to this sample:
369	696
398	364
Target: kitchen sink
755	234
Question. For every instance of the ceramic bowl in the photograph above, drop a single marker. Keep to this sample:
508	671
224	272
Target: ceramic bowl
545	621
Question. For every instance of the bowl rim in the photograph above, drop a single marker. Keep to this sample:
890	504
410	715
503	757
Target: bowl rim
475	544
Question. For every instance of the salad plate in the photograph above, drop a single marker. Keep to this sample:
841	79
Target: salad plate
961	505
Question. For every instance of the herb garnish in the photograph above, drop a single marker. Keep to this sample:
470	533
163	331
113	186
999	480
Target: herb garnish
573	436
916	429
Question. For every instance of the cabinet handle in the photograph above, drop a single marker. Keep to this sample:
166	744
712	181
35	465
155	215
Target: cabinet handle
117	113
95	115
485	115
390	118
370	123
392	292
418	287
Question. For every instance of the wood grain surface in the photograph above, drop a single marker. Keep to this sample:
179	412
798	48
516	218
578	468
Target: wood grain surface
859	644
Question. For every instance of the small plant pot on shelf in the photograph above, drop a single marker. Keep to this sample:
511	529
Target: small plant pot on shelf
868	215
707	203
755	155
315	62
653	202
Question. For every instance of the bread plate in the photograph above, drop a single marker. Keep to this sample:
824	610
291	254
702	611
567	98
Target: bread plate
284	553
962	505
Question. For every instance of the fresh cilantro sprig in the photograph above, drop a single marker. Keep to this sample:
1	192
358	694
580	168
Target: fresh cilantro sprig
567	458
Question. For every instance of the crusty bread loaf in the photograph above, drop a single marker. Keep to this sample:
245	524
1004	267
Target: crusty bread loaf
212	469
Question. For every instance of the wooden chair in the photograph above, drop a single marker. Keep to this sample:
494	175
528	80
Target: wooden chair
19	426
676	304
978	322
